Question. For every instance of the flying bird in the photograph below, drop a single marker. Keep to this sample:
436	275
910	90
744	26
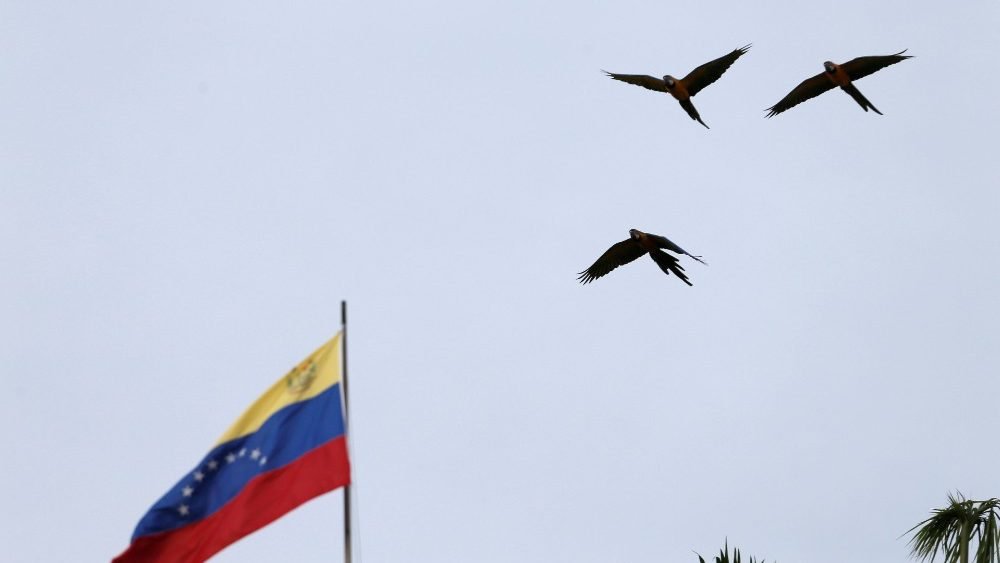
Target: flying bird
683	89
838	75
638	244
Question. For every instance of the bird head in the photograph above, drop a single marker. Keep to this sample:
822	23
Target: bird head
634	233
670	81
830	67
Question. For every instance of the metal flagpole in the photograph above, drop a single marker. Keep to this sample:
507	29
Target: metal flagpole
343	381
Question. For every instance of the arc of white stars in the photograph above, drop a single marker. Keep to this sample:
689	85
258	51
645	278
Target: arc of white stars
255	454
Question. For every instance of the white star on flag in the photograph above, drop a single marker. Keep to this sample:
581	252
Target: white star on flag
183	509
230	458
243	452
186	491
212	465
198	476
255	453
263	460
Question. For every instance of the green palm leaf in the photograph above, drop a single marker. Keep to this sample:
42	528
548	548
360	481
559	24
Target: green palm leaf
951	531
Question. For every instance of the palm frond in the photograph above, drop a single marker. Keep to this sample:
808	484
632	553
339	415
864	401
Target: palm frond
961	522
724	557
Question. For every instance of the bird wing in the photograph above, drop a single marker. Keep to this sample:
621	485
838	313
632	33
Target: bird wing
646	81
711	71
808	89
668	264
619	254
863	66
664	242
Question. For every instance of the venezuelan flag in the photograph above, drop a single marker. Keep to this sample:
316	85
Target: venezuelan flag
288	447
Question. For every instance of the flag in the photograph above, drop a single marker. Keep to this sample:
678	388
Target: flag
287	448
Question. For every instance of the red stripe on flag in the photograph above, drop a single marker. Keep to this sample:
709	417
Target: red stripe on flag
265	498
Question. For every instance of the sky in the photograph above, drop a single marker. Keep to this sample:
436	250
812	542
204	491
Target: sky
188	190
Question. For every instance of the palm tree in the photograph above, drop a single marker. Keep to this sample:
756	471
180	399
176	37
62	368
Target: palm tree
723	556
951	531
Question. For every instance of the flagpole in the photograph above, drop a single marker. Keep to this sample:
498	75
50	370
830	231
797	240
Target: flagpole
343	380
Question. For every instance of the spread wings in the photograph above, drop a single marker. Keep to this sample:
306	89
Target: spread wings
619	254
855	69
711	71
808	89
863	66
646	81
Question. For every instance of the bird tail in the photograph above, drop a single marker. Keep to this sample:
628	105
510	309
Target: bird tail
853	91
689	108
668	264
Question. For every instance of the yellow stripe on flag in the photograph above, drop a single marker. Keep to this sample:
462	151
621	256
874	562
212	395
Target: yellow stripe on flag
312	376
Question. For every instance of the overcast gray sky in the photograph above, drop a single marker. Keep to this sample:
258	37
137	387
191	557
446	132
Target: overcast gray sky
187	190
